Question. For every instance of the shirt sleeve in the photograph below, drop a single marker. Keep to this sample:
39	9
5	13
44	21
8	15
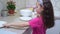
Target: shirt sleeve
35	23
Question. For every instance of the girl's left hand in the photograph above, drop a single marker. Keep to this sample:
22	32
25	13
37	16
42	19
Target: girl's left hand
6	25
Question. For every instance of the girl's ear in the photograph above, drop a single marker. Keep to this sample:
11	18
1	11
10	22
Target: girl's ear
42	8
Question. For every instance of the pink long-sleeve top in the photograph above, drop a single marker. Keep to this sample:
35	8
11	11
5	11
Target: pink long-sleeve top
37	25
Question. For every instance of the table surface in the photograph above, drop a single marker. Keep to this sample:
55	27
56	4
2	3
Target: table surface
4	31
13	19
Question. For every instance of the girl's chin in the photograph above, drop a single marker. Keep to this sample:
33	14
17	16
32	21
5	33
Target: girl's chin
38	12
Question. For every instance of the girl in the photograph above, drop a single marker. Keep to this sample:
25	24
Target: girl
44	19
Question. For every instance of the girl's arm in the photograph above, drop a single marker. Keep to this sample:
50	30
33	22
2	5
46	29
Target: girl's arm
18	24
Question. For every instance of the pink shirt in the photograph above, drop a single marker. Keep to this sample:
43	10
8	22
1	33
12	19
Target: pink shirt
37	25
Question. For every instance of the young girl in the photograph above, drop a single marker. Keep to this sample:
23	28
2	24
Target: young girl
44	19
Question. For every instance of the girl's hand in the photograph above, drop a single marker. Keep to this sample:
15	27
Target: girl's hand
6	25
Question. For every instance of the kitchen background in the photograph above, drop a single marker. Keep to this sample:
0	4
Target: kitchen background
20	4
24	4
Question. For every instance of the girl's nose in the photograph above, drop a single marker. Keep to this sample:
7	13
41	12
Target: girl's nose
38	11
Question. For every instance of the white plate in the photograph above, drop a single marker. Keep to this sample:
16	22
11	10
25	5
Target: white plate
2	31
25	18
1	23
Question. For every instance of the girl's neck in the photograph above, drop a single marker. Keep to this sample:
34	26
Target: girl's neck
39	15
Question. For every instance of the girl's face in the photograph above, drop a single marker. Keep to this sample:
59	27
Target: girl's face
39	8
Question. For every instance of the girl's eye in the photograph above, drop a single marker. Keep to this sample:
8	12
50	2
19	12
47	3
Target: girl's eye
36	6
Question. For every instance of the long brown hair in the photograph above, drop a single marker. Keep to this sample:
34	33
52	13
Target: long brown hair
48	14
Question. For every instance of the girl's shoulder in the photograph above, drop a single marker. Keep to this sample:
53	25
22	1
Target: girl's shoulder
36	19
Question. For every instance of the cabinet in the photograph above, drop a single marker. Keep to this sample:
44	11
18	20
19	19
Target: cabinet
55	29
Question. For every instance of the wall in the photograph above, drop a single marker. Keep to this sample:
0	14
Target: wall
30	3
3	2
2	5
19	4
56	5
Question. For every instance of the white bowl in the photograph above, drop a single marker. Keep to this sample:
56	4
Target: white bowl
1	23
25	12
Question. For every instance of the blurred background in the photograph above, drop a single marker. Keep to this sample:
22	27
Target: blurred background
28	4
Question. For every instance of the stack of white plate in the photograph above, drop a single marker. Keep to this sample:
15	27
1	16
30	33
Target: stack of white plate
25	18
26	14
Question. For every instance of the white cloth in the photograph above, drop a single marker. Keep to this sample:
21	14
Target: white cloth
40	1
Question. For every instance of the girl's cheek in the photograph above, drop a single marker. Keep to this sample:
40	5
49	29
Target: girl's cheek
38	11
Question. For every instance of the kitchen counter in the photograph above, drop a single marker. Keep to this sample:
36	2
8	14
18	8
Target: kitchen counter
10	19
